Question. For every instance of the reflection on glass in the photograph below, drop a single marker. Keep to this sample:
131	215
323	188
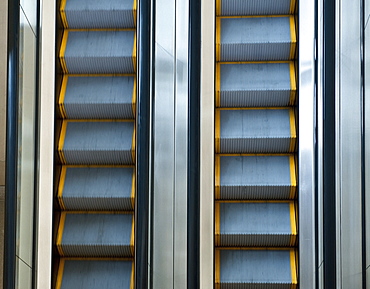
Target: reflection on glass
26	151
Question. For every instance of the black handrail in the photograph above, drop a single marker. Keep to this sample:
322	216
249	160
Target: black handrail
193	238
329	146
11	147
142	146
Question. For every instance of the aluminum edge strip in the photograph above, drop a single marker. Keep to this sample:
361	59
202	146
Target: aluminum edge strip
306	148
367	142
207	99
45	175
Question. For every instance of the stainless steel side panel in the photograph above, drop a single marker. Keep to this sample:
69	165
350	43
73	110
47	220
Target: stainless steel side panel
348	139
306	144
164	146
170	139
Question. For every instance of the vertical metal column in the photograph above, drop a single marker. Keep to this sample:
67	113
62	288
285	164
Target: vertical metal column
306	146
348	140
170	111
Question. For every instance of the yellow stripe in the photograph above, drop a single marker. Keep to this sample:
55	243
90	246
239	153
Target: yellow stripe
293	37
60	274
293	225
132	240
60	233
218	85
218	39
218	7
134	98
293	181
293	84
62	96
133	190
292	6
134	11
217	131
133	145
134	53
293	267
63	13
63	51
61	141
132	282
293	132
61	187
217	224
217	266
217	177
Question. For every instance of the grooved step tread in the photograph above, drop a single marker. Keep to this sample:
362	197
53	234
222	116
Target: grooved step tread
263	224
98	52
260	7
96	234
255	131
255	84
98	97
95	273
84	14
255	38
256	268
97	142
243	177
97	188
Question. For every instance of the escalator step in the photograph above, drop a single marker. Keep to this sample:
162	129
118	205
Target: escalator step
255	130
240	224
97	143
255	177
89	52
97	188
98	14
95	274
260	7
106	97
255	38
96	234
270	269
255	85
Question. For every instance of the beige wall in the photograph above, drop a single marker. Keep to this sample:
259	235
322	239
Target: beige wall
3	77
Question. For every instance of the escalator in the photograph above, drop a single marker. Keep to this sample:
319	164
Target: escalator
96	149
256	227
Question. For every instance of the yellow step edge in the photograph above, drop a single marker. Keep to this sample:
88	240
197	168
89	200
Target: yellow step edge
293	84
217	177
62	94
60	233
61	141
293	178
61	187
217	224
63	13
63	51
